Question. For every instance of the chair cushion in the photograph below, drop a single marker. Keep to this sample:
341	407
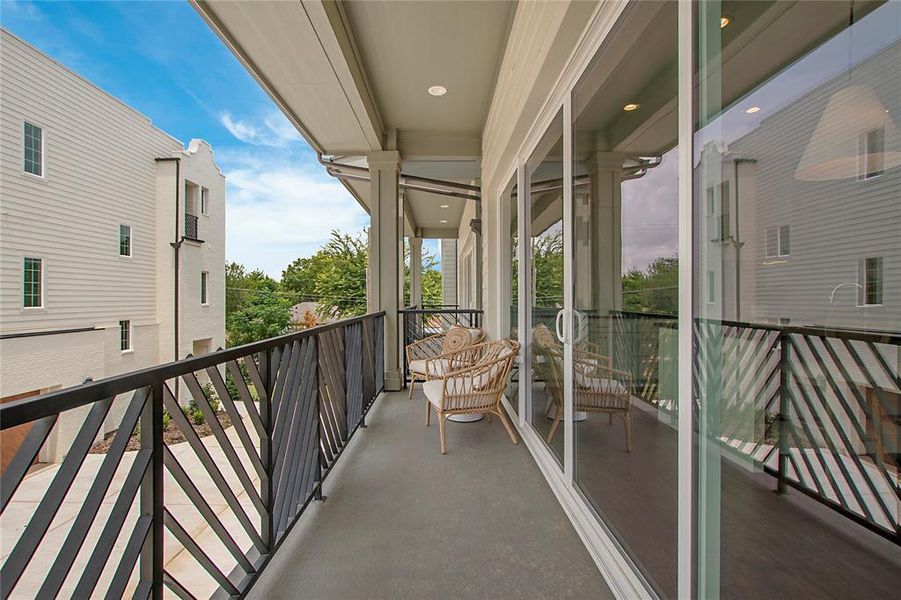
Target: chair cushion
438	368
434	392
600	385
474	335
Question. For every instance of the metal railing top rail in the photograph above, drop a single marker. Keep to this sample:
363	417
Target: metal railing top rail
23	411
876	337
443	310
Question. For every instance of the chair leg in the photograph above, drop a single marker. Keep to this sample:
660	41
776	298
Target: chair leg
550	434
441	420
627	420
428	413
412	385
609	418
507	426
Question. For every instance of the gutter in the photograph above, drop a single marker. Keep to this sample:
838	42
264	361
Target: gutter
407	182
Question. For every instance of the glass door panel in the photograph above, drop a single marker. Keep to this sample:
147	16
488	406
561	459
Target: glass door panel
797	299
625	294
544	171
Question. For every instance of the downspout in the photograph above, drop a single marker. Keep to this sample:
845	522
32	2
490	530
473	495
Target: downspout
176	245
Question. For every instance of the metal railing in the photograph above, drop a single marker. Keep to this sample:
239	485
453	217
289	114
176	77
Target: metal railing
419	323
191	231
817	408
242	476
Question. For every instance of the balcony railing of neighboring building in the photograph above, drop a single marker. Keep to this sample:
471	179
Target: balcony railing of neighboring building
817	408
191	231
421	322
293	403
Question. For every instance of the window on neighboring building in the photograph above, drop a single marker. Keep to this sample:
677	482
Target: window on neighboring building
785	240
204	200
871	148
124	240
32	289
34	150
870	280
778	241
124	336
204	287
718	224
711	287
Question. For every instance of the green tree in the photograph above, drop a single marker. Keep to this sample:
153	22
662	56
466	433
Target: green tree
335	276
547	265
653	290
431	278
265	315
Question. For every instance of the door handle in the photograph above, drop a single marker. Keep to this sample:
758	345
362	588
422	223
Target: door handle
557	326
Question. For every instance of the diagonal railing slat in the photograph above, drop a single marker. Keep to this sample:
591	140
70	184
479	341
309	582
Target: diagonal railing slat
24	458
88	512
203	455
129	558
197	552
224	443
288	408
250	447
244	393
112	528
212	519
31	538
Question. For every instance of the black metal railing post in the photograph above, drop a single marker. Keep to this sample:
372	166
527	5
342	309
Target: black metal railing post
317	492
782	417
151	495
267	530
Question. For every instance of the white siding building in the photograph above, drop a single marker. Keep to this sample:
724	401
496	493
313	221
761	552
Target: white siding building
111	233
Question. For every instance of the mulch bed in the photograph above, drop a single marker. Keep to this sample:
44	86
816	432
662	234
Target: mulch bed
171	435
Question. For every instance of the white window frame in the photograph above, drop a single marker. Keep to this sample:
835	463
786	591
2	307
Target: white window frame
863	168
43	293
862	282
43	129
204	288
204	200
766	241
131	241
131	336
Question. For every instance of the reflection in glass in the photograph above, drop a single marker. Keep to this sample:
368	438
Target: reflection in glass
625	294
544	170
797	180
509	203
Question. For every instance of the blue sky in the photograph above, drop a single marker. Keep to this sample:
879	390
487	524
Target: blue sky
162	59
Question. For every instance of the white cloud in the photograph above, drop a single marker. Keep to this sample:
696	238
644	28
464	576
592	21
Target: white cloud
273	130
276	214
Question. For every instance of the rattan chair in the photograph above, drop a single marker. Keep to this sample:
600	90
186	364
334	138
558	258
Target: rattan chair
474	389
433	348
597	388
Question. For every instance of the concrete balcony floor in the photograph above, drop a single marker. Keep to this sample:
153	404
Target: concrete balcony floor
403	521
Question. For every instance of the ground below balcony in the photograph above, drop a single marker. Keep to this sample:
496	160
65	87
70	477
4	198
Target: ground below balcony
403	521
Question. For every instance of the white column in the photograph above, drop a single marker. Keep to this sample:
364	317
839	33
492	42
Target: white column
605	226
386	255
416	271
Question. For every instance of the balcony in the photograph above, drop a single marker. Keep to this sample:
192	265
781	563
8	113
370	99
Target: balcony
309	478
191	231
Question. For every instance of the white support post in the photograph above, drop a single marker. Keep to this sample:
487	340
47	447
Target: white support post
386	256
416	271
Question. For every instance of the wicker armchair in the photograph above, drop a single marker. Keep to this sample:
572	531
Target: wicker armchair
433	348
474	389
598	388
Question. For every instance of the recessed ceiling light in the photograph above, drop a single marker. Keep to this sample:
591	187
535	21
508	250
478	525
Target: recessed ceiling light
631	106
437	90
724	21
753	110
444	220
445	206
